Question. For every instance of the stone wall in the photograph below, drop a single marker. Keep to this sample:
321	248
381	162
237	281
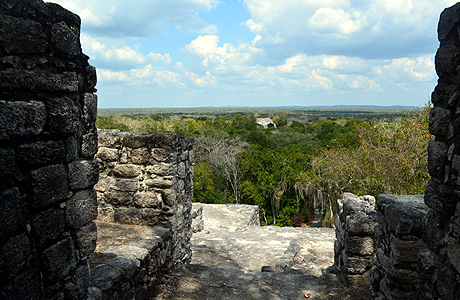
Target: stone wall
147	180
354	248
398	241
47	144
441	264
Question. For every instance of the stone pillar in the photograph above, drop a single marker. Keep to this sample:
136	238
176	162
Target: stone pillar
47	144
147	180
354	247
398	242
441	263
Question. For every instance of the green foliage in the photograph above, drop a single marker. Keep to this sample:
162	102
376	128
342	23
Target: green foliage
300	167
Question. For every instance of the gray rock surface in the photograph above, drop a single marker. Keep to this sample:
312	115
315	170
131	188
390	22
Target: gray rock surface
232	260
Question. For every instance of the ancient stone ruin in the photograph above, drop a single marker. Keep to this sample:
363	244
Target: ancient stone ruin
51	190
47	144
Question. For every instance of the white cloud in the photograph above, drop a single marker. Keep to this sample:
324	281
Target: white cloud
142	18
327	20
158	57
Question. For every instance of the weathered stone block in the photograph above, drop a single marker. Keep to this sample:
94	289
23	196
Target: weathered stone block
65	40
360	223
439	121
148	199
160	169
127	170
107	154
405	251
142	216
39	80
21	118
406	215
83	174
118	197
64	115
59	259
89	145
49	185
13	212
16	255
91	78
49	152
159	182
126	185
162	155
90	109
136	140
26	285
104	277
357	264
48	226
437	158
86	239
20	36
140	156
7	165
359	245
81	208
109	138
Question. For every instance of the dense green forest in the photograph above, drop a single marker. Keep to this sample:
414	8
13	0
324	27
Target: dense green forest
299	164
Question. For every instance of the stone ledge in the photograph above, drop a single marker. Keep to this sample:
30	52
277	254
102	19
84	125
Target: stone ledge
129	261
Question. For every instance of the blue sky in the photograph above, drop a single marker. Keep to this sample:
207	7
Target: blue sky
192	53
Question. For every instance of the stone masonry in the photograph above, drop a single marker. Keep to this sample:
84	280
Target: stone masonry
398	242
147	180
440	264
354	246
47	145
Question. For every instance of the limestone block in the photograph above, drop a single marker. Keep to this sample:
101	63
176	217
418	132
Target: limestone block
148	199
126	185
109	138
49	185
352	203
7	165
445	59
439	121
107	154
160	182
437	158
13	212
359	245
181	170
162	155
139	156
103	184
406	217
356	264
64	115
65	39
127	170
59	259
89	145
41	152
48	225
21	118
81	208
83	174
91	78
134	215
136	140
405	251
118	198
26	285
89	109
160	169
39	80
16	256
85	241
20	36
361	223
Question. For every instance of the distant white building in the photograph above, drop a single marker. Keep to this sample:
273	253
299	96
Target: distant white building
264	122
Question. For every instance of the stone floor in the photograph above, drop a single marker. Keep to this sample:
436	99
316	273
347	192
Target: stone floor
228	260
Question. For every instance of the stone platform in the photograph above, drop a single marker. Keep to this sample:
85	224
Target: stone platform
241	261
